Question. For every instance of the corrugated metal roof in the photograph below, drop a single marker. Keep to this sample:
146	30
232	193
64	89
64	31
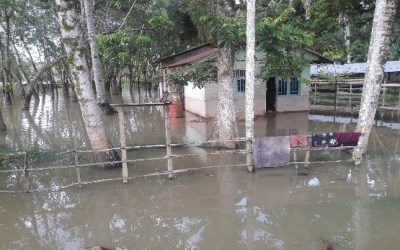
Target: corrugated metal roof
210	52
350	68
321	58
183	52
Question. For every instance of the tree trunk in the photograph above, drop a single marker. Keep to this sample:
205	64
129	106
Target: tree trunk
307	8
225	127
115	87
96	64
379	47
64	82
250	73
2	125
21	86
225	120
7	62
53	84
22	73
37	77
345	19
29	53
72	39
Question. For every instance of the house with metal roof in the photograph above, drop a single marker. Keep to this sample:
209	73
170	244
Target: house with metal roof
276	93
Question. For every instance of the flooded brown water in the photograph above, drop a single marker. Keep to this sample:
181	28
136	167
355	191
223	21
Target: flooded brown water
226	208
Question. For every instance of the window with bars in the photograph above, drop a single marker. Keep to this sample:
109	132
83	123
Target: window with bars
239	79
289	86
286	132
282	87
294	85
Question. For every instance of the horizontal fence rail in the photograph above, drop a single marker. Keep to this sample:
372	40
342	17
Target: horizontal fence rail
23	170
27	168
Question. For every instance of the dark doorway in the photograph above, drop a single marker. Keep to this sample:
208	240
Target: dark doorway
270	96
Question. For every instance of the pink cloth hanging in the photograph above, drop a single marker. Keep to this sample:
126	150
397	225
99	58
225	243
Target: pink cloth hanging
298	141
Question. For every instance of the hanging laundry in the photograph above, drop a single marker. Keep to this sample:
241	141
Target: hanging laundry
324	140
271	151
298	141
348	138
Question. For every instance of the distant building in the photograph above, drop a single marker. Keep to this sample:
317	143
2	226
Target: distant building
392	70
290	93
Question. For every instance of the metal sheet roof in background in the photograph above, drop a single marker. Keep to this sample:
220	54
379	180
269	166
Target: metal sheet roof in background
210	52
350	68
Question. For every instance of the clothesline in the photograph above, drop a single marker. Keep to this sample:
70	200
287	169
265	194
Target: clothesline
275	151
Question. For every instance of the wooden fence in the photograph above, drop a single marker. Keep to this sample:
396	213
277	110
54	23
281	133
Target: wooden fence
26	168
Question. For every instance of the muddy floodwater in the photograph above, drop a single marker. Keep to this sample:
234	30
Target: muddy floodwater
333	205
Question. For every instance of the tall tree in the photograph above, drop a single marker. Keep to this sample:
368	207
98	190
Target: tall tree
333	22
225	126
218	23
345	19
71	34
381	37
7	76
250	73
96	64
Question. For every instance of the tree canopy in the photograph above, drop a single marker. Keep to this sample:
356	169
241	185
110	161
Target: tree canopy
133	34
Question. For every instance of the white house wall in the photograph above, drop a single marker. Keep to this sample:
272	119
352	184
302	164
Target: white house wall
296	103
203	102
195	100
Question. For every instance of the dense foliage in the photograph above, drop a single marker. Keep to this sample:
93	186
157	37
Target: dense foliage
133	34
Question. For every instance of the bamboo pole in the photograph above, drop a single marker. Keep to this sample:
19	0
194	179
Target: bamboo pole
168	141
121	118
140	104
26	172
76	154
307	158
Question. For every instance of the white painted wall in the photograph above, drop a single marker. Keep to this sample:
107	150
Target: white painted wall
203	102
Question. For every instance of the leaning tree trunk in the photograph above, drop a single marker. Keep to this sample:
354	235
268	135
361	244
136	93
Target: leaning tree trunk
31	87
72	39
225	120
2	125
382	28
20	72
96	64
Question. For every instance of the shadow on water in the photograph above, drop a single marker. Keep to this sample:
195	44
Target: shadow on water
324	205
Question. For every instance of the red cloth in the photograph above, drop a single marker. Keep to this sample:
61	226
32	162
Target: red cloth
348	138
298	141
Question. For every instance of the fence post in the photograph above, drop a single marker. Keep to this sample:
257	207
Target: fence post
76	154
26	172
307	158
249	155
168	140
121	118
383	96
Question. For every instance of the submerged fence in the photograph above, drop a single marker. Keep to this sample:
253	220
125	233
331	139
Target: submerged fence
26	169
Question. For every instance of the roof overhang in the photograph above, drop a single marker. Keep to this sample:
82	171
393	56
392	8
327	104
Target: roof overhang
194	58
320	58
